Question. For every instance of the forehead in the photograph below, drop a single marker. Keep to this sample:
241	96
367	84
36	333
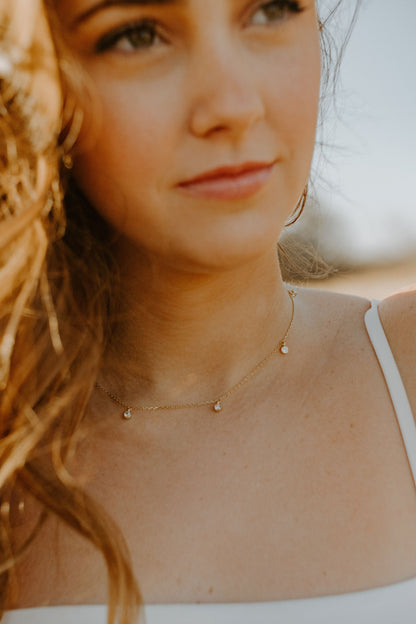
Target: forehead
90	7
72	13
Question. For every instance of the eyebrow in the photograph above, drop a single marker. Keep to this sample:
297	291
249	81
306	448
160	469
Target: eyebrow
105	4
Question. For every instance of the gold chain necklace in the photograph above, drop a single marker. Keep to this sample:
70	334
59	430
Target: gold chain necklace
217	404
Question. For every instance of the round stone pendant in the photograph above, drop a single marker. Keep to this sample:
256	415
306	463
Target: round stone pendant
127	414
217	406
284	349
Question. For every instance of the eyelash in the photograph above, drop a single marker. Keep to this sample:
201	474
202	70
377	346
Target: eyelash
282	6
125	31
149	26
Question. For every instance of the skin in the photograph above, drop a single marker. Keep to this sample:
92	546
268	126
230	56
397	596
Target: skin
188	118
300	487
229	116
398	317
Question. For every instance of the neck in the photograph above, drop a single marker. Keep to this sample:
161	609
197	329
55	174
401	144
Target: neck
184	337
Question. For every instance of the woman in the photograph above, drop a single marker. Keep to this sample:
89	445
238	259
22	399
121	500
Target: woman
238	431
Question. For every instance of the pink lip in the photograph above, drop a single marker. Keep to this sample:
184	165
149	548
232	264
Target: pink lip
235	182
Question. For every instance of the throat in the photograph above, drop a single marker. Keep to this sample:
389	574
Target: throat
221	384
195	344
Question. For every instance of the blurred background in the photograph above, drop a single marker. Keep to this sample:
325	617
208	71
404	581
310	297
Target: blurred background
363	216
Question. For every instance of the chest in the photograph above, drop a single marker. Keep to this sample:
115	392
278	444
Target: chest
311	496
292	503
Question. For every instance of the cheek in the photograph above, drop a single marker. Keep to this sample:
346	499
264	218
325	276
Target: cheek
130	130
124	153
294	105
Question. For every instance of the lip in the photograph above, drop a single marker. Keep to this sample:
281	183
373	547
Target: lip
230	182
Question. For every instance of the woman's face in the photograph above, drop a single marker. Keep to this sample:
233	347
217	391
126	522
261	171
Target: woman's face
202	125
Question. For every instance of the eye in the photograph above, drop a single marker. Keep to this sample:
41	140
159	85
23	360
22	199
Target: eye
275	11
141	35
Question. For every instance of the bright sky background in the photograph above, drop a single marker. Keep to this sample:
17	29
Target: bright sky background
373	172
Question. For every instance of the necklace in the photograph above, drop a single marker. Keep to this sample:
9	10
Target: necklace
216	404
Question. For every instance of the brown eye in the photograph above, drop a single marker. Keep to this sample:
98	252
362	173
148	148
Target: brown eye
270	12
131	37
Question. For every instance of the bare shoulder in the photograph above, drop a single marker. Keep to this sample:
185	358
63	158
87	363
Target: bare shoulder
333	299
338	310
334	324
398	316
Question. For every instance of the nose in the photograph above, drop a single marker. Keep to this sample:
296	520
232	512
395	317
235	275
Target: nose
225	98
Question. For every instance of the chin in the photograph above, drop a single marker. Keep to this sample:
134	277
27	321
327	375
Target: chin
222	255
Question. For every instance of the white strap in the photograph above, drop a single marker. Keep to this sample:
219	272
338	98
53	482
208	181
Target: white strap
394	383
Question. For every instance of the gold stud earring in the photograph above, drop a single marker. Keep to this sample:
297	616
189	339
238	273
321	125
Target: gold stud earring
67	161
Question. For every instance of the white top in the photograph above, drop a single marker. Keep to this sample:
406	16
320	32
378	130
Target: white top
393	604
